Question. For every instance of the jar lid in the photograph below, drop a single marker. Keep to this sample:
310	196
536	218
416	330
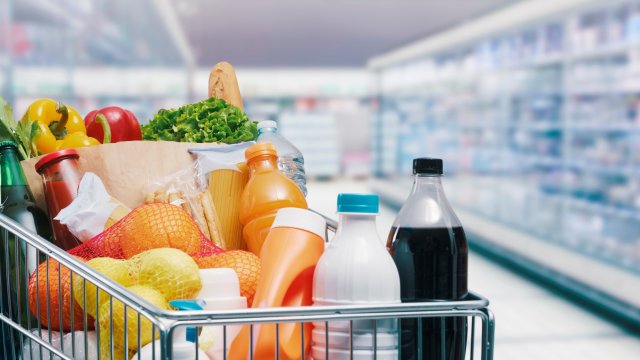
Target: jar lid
260	149
55	156
8	143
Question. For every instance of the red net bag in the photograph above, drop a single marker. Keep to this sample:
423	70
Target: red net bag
147	227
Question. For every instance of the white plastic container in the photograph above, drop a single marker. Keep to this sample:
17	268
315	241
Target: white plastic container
356	269
220	291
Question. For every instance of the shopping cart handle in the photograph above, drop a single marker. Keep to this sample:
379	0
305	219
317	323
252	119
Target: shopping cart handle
331	224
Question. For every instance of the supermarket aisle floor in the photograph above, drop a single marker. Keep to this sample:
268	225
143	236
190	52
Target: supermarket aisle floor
531	321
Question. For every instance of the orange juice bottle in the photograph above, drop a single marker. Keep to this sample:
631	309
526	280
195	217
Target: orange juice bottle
267	191
289	256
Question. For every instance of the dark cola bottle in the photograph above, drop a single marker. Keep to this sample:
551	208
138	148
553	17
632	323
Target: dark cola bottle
430	250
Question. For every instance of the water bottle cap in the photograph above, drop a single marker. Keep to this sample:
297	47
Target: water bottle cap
358	203
301	219
260	149
427	166
267	124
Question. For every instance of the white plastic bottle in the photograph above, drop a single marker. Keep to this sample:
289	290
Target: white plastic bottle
356	269
183	341
290	159
220	291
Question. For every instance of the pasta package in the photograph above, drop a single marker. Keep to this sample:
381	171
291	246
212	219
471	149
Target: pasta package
224	170
93	210
225	187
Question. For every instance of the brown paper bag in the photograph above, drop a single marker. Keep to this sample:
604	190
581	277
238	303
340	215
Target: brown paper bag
124	167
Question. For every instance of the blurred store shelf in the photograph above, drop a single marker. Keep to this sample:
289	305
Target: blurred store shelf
535	110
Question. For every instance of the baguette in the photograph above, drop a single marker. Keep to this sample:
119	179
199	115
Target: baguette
198	215
223	84
211	218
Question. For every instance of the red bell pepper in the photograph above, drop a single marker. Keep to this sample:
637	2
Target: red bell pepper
124	125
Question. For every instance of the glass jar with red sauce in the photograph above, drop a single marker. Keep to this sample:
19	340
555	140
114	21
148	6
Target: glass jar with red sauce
61	175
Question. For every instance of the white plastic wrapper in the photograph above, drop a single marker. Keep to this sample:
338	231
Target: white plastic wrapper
93	210
220	157
32	349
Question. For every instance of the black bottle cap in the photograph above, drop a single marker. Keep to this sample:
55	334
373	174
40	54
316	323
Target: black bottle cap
427	166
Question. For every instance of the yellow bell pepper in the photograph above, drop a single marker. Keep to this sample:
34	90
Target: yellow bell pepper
56	122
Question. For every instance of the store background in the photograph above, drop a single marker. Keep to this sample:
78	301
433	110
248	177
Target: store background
534	106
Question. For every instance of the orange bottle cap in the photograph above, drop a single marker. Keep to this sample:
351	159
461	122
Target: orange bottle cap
260	149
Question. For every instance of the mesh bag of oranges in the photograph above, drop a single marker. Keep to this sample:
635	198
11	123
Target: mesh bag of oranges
150	226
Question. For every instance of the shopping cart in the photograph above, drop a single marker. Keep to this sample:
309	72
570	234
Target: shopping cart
24	336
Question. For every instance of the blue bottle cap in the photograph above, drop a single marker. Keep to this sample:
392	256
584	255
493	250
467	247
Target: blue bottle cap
358	203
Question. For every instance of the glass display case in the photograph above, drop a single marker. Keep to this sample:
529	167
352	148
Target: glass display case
538	124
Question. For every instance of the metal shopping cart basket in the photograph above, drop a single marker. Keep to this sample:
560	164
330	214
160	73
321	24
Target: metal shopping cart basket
23	337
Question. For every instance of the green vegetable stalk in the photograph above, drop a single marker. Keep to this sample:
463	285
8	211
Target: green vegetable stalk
210	120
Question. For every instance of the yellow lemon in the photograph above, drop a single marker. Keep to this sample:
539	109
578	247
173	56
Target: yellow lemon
170	271
117	270
115	312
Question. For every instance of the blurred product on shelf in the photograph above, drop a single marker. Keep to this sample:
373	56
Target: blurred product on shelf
290	159
267	191
61	176
429	247
356	269
289	256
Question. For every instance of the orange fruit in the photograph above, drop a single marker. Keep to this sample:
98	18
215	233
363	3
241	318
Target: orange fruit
245	263
154	226
147	227
56	286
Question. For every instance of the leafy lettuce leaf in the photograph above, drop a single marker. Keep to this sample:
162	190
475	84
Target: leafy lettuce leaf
210	120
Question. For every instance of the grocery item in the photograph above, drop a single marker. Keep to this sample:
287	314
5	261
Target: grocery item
355	269
290	159
220	291
56	123
112	316
61	175
170	271
149	226
17	259
210	120
48	285
92	211
123	125
429	247
289	256
226	173
223	84
183	340
21	133
17	203
71	344
267	191
246	265
86	293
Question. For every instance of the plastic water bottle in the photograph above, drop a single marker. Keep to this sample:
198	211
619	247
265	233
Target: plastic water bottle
290	159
